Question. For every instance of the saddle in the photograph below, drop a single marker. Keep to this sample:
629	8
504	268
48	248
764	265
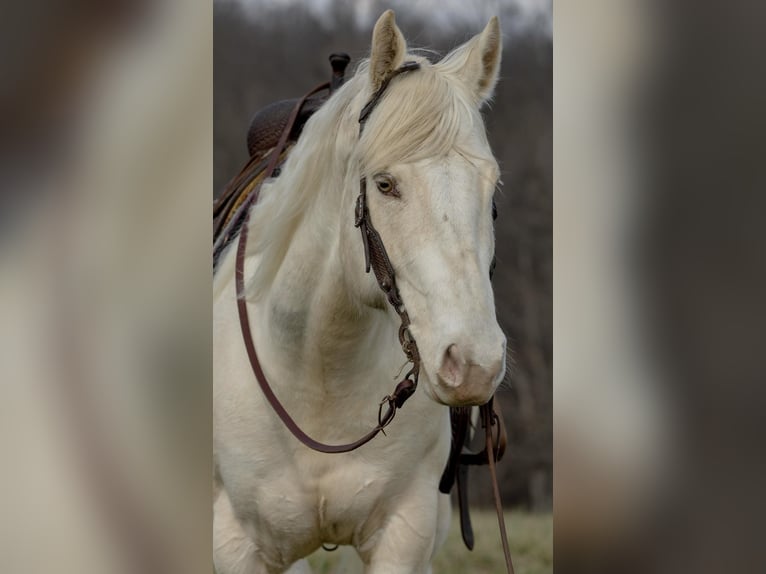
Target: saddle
269	122
267	129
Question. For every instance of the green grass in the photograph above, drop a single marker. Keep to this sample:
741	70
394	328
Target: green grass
530	536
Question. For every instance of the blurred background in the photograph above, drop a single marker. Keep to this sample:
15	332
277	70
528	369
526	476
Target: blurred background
105	287
267	51
658	286
106	171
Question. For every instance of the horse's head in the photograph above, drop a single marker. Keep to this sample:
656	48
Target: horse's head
430	181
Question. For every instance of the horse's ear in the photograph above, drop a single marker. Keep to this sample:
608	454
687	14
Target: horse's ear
388	49
477	62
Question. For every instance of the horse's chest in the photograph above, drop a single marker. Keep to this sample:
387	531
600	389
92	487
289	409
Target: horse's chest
330	501
346	502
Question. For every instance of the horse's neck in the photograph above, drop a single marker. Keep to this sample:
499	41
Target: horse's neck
318	325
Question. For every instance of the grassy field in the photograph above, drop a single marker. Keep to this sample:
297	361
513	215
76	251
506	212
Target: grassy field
530	535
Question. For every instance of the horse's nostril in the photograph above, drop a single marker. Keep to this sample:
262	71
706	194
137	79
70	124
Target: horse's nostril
469	370
452	366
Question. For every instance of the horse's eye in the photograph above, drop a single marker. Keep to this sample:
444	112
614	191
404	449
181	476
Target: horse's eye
387	185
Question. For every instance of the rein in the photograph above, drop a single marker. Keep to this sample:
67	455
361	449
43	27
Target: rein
377	260
394	401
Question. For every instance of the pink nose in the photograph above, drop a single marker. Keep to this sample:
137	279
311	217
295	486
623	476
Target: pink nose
463	380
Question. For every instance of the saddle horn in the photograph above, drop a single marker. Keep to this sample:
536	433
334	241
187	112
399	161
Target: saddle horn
269	122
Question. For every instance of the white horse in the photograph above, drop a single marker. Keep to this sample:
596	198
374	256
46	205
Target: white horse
326	337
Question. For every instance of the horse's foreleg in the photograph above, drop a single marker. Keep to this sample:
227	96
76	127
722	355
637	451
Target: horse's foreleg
442	521
234	551
410	536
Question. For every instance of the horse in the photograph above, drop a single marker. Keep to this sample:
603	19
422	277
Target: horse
326	338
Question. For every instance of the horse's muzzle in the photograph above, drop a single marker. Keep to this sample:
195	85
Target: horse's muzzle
469	377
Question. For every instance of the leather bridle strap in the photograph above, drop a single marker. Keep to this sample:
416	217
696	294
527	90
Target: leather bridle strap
376	97
250	172
383	271
490	418
268	392
376	256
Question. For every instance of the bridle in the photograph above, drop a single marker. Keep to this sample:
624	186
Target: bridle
377	260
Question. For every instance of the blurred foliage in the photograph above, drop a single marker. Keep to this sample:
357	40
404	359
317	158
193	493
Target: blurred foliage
257	62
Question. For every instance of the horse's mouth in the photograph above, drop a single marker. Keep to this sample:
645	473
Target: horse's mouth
459	398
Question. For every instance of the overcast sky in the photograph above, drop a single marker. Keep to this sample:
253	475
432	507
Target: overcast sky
445	14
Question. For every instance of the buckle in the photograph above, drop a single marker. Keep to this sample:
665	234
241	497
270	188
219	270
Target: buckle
359	210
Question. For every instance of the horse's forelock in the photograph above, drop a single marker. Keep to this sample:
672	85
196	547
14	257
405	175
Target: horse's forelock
425	114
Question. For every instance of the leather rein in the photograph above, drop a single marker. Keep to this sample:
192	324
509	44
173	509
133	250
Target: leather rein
377	260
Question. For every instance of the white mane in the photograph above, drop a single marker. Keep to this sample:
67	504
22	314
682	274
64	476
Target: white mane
424	114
